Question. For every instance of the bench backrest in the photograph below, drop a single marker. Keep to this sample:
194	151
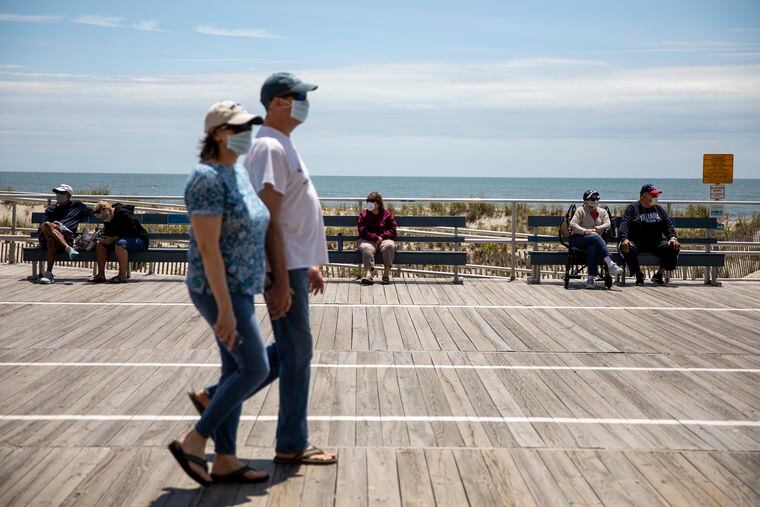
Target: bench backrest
678	222
144	218
708	224
329	220
402	221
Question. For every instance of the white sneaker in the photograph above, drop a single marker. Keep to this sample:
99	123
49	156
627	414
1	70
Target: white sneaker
590	284
614	269
47	277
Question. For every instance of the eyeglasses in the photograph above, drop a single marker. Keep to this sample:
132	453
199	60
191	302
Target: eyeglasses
300	96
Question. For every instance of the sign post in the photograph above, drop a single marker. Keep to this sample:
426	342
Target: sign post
717	171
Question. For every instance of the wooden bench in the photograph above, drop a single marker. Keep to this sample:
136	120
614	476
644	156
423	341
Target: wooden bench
709	259
340	255
453	258
154	254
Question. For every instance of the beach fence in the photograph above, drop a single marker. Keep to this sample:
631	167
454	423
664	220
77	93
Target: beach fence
496	237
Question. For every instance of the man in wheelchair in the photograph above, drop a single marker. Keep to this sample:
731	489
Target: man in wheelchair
587	229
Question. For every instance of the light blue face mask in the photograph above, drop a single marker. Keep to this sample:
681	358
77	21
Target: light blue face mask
299	110
240	143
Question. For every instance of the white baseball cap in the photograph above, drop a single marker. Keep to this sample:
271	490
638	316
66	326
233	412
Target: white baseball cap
228	112
63	189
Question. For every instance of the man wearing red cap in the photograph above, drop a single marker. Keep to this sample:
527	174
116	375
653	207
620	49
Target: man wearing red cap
646	227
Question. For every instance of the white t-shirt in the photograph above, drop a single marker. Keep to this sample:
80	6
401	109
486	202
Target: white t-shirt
273	159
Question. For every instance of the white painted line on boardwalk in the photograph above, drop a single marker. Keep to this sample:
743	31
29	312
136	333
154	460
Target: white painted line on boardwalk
405	367
358	305
373	418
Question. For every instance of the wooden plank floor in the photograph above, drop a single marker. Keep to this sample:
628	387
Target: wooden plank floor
488	393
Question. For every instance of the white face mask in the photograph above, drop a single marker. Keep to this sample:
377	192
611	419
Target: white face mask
299	110
240	143
593	204
654	200
61	198
370	206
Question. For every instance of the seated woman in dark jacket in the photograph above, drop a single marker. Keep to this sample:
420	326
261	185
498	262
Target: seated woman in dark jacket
122	232
377	228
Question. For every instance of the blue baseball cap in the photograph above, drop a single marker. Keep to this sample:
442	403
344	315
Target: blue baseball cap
649	189
281	83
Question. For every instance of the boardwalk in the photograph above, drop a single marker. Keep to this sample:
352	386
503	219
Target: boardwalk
490	393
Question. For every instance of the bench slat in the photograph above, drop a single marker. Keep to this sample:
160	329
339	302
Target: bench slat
547	258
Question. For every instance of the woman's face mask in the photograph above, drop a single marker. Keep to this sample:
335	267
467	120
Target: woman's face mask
593	203
62	198
240	143
371	206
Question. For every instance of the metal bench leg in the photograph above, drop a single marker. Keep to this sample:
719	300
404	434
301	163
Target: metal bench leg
457	279
714	279
535	277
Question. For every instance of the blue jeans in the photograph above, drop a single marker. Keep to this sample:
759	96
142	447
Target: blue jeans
243	370
596	250
130	245
290	361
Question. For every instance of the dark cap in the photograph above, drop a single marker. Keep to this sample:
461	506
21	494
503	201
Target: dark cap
281	83
588	193
649	189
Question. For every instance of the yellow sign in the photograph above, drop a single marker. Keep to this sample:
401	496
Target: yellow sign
718	169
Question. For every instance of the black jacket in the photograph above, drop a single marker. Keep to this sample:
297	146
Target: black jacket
646	225
124	224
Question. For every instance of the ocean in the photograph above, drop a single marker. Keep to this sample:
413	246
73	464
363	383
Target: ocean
360	186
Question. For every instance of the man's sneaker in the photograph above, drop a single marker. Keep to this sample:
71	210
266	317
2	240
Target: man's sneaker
47	277
614	269
590	283
73	254
639	278
657	279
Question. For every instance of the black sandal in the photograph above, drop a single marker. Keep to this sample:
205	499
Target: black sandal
117	279
238	477
367	281
97	279
305	457
184	460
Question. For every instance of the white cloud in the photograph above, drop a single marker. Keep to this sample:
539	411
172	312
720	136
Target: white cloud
147	25
23	18
144	25
104	21
470	111
253	33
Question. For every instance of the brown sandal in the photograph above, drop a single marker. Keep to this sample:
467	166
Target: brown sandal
305	457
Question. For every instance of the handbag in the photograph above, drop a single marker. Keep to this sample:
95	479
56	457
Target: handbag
86	241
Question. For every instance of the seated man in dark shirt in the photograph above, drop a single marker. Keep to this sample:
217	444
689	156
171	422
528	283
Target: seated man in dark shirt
56	234
646	227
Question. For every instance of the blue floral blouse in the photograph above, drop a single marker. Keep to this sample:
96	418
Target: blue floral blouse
214	190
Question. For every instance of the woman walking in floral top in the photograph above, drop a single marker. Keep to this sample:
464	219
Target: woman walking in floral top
225	269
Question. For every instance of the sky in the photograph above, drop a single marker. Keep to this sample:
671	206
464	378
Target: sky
428	88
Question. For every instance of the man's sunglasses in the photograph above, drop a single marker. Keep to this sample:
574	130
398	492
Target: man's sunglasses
294	95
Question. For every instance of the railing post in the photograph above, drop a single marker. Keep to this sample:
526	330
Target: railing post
513	259
12	249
